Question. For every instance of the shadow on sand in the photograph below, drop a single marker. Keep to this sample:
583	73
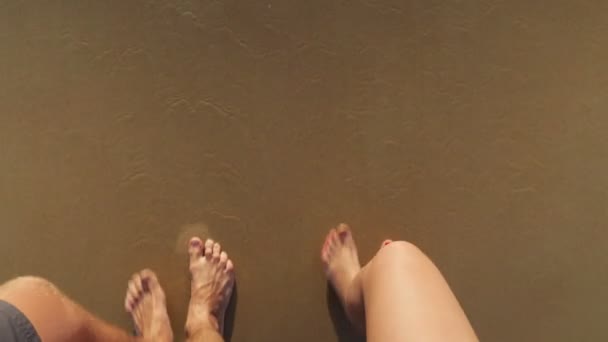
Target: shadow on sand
345	331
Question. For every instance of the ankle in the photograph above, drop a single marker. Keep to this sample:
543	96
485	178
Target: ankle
202	322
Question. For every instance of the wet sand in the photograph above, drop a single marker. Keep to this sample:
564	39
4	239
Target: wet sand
475	130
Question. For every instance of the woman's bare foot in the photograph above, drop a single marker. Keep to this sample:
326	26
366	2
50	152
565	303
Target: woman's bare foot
145	301
341	263
212	283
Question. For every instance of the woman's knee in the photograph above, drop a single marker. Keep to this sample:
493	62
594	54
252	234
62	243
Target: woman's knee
400	253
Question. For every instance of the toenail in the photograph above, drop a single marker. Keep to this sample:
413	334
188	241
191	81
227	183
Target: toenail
195	243
145	285
387	242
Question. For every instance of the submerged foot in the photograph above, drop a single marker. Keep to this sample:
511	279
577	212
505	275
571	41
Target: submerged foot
212	283
341	263
145	301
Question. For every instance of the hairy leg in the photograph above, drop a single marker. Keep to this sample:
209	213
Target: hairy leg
54	316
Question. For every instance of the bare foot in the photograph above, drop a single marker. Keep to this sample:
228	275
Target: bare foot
212	283
145	301
341	263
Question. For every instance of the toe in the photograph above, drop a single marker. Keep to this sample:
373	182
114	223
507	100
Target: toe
136	280
131	297
328	242
195	249
132	290
149	281
343	231
333	239
130	303
325	256
330	237
223	258
342	227
208	248
216	251
128	306
229	266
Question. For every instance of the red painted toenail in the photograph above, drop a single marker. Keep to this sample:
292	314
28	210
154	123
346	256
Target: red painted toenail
145	285
195	243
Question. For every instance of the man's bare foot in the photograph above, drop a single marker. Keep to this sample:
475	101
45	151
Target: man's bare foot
212	283
145	301
341	263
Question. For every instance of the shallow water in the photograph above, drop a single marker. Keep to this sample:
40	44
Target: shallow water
475	130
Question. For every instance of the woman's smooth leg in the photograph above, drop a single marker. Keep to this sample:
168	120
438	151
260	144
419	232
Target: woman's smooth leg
398	296
407	299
